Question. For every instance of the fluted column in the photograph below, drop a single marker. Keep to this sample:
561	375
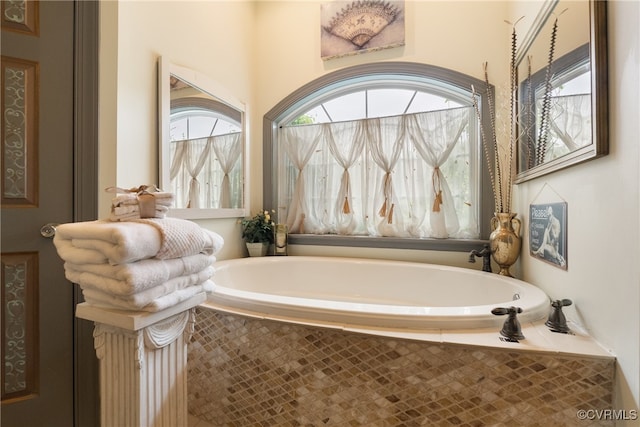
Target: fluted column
143	364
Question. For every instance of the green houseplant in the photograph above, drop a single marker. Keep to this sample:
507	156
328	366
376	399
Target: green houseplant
257	233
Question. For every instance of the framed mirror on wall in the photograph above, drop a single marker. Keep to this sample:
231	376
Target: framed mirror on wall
202	145
563	105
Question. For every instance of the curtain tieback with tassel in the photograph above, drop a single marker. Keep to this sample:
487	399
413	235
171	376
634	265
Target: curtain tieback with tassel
437	189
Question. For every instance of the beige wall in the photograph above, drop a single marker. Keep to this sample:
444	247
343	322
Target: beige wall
214	38
287	56
603	277
262	51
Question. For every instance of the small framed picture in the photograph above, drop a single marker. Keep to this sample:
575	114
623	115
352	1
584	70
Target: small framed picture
350	27
548	233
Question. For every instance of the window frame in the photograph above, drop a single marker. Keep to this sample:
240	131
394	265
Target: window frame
321	88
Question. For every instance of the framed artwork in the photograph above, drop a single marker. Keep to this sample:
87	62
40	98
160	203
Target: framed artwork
359	26
548	233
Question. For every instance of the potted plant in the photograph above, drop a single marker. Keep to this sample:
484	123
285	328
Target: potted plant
257	233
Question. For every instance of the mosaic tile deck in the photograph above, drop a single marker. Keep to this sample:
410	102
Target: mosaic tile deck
251	372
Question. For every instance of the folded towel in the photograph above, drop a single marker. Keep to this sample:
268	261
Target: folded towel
127	279
147	296
100	241
131	199
181	237
127	212
147	200
166	301
97	242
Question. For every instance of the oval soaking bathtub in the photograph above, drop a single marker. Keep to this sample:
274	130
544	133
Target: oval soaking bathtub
366	292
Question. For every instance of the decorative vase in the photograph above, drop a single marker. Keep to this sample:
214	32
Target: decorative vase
257	249
505	241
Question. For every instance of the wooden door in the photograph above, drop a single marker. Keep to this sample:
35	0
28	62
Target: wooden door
39	376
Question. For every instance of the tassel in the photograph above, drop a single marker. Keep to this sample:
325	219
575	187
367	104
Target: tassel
437	202
390	219
345	207
383	210
302	225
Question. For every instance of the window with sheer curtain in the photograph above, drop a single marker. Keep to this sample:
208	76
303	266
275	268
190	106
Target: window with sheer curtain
206	151
402	176
380	155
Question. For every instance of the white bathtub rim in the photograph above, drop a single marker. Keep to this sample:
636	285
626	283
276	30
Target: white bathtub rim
394	316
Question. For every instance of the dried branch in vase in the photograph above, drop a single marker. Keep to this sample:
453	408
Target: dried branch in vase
501	171
543	135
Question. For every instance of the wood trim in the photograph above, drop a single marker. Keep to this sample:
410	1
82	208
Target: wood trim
20	313
86	369
29	23
20	132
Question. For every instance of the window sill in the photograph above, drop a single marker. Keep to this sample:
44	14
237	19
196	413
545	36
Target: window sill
450	245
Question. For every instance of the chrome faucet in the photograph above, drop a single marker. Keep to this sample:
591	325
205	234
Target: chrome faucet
485	253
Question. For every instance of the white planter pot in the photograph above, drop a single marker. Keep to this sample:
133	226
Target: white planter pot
257	249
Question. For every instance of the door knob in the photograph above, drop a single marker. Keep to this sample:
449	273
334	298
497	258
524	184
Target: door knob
48	230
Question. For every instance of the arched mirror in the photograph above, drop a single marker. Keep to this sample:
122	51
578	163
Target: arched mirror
202	152
562	104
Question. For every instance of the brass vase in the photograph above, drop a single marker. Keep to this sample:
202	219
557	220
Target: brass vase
505	241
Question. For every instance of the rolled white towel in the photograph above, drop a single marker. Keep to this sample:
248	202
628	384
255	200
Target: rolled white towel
127	279
158	304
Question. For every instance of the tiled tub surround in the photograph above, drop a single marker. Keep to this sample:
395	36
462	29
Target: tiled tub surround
250	371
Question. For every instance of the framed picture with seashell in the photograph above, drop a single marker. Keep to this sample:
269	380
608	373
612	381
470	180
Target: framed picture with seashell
359	26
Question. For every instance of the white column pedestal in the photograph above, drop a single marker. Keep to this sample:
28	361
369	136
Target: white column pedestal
143	363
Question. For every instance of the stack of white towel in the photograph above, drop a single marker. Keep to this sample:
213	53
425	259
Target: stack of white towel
142	265
142	202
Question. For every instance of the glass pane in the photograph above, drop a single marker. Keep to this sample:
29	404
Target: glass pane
429	102
315	115
348	107
19	123
388	102
196	126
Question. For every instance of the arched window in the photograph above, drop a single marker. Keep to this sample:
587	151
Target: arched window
382	154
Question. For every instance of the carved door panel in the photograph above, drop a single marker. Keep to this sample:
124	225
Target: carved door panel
37	188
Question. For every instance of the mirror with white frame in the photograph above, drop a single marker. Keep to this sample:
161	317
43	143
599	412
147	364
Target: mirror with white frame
562	104
202	145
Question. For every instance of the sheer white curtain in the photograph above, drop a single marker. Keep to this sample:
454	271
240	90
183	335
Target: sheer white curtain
228	149
346	149
299	143
187	162
435	135
201	168
385	139
570	123
378	177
